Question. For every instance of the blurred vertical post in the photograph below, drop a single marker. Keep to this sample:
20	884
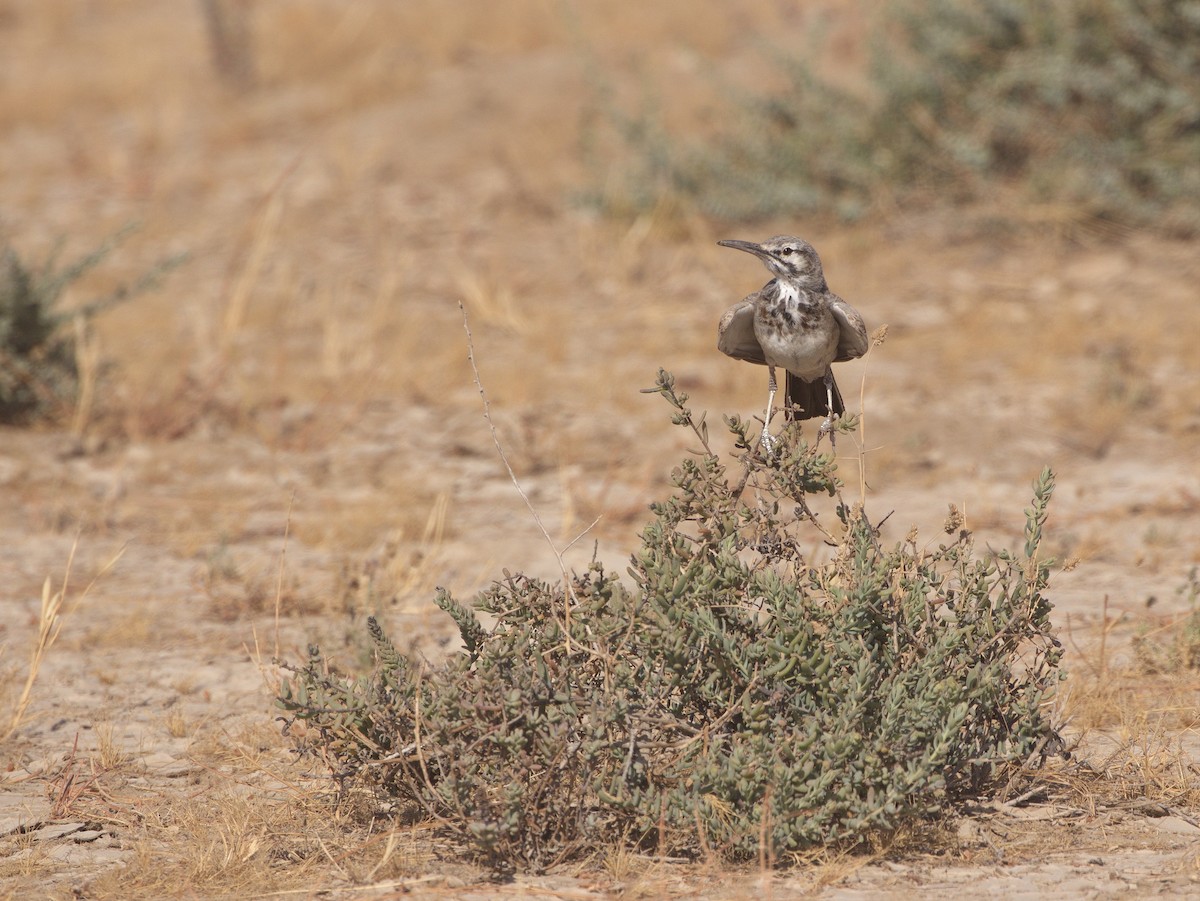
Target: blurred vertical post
231	41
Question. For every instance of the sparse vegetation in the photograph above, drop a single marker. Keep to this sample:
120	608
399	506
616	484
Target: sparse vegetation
1088	107
49	626
39	375
742	696
1174	645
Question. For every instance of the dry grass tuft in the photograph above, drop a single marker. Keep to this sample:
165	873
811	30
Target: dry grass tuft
1135	733
241	591
23	860
222	843
256	826
396	569
49	626
177	725
110	753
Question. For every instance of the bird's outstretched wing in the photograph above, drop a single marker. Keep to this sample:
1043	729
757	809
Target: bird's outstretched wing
735	333
852	340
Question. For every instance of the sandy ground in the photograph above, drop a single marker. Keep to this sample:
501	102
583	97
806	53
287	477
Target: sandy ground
288	434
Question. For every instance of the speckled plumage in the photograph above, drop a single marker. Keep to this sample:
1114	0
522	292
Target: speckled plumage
795	322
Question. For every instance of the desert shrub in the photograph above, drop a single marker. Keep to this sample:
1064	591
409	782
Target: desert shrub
38	372
1093	105
739	695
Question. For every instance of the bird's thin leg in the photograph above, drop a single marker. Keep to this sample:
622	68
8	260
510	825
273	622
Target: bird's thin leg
827	425
772	387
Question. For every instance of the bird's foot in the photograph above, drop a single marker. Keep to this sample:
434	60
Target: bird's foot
828	427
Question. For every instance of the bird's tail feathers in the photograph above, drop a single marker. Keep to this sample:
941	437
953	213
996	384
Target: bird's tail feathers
809	400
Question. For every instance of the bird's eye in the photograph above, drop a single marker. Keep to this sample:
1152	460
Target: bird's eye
788	251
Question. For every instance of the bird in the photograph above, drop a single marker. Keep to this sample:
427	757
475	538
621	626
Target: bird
795	322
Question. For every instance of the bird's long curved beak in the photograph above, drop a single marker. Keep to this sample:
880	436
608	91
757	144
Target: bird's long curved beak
748	246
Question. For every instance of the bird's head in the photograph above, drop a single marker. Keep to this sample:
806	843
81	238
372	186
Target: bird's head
789	258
